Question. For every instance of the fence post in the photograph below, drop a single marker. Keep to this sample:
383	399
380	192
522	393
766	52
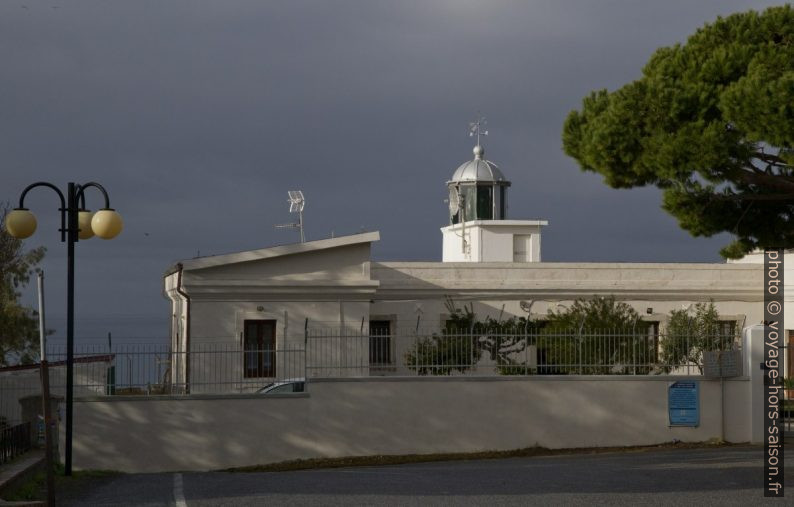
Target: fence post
417	355
305	354
753	351
49	429
416	351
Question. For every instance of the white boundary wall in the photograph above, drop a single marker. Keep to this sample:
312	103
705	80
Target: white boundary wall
355	417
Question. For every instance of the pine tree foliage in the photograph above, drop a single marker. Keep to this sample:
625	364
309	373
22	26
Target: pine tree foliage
711	123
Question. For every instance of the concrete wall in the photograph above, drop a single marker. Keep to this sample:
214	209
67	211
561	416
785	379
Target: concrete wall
394	416
433	313
90	379
222	321
417	289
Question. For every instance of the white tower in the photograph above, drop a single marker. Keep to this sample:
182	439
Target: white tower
479	230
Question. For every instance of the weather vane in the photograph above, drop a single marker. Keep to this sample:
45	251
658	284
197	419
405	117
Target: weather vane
477	128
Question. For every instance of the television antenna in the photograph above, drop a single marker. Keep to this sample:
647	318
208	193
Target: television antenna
296	205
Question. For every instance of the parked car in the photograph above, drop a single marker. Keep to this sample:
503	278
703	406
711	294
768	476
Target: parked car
290	385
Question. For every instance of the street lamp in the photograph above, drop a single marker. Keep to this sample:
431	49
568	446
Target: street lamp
76	223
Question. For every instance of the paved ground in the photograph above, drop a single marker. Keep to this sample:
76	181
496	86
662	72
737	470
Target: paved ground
719	477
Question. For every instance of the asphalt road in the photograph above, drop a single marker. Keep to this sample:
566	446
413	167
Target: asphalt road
703	477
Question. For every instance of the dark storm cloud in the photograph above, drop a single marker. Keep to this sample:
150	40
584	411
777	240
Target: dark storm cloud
199	116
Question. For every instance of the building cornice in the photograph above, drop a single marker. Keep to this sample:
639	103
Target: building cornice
396	294
279	290
504	280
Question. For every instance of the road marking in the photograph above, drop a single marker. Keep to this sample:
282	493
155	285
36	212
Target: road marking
179	491
383	471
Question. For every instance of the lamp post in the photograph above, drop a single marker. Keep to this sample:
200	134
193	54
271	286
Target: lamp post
76	223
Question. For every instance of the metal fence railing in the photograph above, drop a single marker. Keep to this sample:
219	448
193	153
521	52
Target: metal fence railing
14	441
229	368
136	370
208	368
218	367
540	353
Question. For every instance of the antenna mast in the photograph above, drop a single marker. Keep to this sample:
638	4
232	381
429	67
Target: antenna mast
296	204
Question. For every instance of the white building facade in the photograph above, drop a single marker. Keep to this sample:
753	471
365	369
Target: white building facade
271	298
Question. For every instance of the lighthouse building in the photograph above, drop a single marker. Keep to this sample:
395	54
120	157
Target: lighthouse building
479	230
273	298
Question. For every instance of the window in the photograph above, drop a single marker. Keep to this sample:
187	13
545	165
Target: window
651	350
727	328
478	203
484	202
451	326
522	248
380	342
727	334
652	327
469	196
259	348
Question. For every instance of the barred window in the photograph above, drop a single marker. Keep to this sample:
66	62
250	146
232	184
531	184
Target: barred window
727	328
259	348
380	342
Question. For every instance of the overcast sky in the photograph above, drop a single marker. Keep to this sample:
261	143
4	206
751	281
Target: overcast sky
199	116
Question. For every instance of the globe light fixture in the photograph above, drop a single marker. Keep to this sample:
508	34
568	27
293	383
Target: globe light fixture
84	223
20	223
77	223
106	224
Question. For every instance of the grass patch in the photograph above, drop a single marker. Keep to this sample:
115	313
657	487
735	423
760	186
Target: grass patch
36	487
401	459
28	490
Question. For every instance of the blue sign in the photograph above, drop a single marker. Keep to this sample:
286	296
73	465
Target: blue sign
683	403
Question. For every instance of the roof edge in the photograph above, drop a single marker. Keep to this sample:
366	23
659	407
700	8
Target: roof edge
274	251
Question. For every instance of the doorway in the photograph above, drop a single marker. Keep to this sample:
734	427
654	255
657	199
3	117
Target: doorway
259	348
